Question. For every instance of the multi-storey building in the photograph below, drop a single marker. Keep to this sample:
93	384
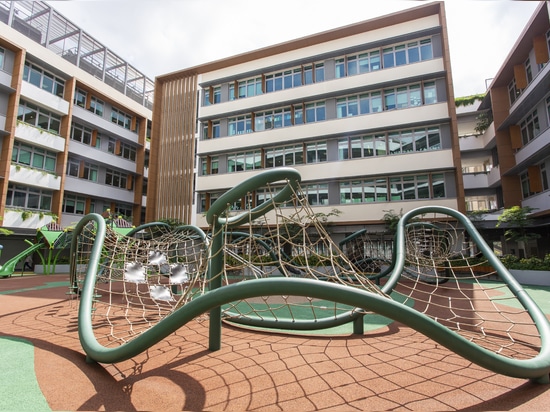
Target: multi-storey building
364	112
507	159
74	123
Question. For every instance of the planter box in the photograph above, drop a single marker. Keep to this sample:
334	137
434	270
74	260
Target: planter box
532	277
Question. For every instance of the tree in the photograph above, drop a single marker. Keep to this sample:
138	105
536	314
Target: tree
517	223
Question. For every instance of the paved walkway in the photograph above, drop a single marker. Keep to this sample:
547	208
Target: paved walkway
391	368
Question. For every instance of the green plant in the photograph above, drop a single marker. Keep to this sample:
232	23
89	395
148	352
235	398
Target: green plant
532	263
469	100
477	215
392	219
518	221
484	120
25	214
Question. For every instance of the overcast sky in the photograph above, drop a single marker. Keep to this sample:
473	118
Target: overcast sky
162	36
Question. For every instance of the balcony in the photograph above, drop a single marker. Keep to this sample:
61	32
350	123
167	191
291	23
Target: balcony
93	189
39	137
32	177
44	99
476	180
103	124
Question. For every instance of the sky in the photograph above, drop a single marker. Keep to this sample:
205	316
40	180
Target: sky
162	36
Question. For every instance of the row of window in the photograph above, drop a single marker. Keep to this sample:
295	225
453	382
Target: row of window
97	107
27	197
84	135
76	205
35	157
371	190
513	90
38	117
402	97
353	147
90	171
349	65
398	55
43	79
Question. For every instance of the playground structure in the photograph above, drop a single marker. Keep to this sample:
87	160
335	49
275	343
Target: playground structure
275	267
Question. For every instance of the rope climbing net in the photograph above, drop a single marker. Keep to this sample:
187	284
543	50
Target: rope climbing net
274	265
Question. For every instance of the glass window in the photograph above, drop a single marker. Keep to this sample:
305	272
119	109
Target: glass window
80	98
27	197
389	58
316	152
96	106
430	94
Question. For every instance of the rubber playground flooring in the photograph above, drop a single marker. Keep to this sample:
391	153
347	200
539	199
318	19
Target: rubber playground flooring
393	367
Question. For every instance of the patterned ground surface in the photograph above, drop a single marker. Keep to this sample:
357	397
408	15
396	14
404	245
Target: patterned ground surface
390	368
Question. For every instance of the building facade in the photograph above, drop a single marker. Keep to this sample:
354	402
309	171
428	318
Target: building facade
364	112
507	161
74	123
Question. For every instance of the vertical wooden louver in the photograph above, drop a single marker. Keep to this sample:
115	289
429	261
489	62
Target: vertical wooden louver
541	49
175	148
520	76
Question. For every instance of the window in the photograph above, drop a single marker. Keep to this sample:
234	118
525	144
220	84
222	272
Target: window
292	77
284	156
35	157
488	202
530	127
316	152
90	172
347	106
438	185
217	95
128	151
430	93
80	98
240	125
410	187
120	118
96	106
250	87
401	188
239	162
363	191
315	112
273	119
116	178
73	166
544	176
214	165
513	91
81	134
216	130
319	72
528	71
525	185
73	204
27	197
417	140
38	117
43	79
2	52
317	195
362	146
